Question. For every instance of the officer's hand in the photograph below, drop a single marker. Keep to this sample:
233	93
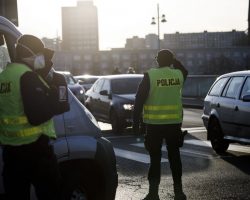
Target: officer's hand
182	135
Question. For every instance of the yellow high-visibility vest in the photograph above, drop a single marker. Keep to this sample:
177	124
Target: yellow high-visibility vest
14	126
164	103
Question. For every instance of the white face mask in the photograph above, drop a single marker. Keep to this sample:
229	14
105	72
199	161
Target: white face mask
36	61
39	62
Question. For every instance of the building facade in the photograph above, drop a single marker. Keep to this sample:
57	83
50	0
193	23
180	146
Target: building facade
212	53
151	41
204	40
198	61
135	43
80	27
53	43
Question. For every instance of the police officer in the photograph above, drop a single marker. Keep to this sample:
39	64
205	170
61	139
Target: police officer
131	70
159	96
28	101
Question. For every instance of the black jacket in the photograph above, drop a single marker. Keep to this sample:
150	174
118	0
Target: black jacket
40	102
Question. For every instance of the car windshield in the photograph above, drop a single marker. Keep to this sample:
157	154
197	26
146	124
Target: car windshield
125	85
70	80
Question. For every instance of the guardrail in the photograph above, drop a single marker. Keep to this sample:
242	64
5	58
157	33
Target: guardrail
195	89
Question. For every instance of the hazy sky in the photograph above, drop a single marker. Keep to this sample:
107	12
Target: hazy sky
121	19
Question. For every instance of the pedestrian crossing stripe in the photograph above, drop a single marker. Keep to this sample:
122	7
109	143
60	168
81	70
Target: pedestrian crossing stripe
232	147
139	157
190	130
195	129
145	158
186	152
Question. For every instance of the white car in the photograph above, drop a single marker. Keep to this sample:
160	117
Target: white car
227	110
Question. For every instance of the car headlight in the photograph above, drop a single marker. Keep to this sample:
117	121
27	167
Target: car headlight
128	106
81	91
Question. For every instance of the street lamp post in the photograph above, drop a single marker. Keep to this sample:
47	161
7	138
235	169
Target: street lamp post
158	23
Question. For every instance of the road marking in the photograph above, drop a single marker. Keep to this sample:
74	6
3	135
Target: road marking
190	130
238	148
191	141
198	142
144	158
187	152
184	151
139	157
120	136
196	129
232	147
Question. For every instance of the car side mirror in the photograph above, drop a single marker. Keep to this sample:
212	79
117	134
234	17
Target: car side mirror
246	98
104	92
80	82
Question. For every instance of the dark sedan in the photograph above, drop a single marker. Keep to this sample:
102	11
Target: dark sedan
111	99
86	80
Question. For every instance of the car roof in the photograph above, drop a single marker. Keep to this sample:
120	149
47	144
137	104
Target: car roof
64	72
236	73
117	76
86	76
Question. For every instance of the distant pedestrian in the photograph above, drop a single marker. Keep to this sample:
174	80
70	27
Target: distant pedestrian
116	71
159	96
131	70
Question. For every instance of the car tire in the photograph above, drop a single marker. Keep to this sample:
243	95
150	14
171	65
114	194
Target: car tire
81	181
115	123
219	144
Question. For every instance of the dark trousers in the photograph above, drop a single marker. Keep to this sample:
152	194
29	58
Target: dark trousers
35	164
154	137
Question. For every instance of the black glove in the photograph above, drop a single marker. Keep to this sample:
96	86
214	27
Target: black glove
182	135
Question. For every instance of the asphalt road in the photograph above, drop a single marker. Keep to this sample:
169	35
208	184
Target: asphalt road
206	175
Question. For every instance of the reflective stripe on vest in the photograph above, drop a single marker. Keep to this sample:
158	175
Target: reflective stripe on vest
163	112
168	107
13	120
23	133
161	117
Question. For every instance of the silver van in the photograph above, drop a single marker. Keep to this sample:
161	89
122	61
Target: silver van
227	110
87	160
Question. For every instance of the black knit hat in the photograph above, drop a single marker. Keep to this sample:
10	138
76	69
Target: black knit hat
165	56
28	45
